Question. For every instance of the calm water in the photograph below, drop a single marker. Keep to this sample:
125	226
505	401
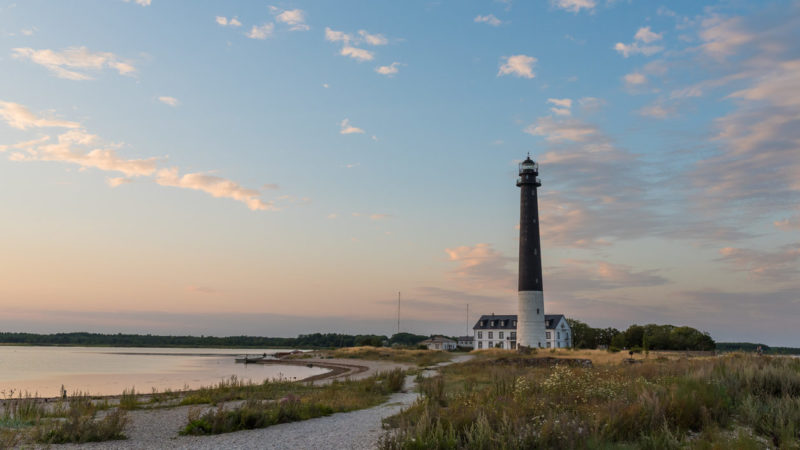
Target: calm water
110	370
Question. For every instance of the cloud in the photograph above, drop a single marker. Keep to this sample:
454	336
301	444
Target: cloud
349	129
481	266
71	147
489	19
788	224
647	36
118	181
563	104
140	2
215	186
627	50
722	36
562	130
592	275
779	265
171	101
261	32
76	146
518	65
20	117
225	22
337	36
634	79
574	6
295	18
356	53
73	62
372	39
389	70
378	216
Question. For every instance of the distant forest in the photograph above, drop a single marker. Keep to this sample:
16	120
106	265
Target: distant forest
640	337
316	340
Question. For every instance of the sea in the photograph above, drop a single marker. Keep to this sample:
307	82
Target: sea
43	371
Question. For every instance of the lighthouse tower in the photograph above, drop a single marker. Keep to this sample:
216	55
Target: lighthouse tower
530	320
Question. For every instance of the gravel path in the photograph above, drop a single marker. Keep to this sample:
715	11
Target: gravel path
157	429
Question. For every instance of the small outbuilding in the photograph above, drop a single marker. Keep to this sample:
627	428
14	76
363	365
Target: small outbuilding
439	343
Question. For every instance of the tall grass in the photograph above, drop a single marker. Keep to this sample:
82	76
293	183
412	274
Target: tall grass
656	404
421	358
339	396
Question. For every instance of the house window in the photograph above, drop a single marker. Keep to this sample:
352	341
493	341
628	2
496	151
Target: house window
514	323
480	344
483	323
537	310
490	335
491	324
489	344
513	345
558	335
563	326
513	335
548	345
480	334
548	335
501	335
500	344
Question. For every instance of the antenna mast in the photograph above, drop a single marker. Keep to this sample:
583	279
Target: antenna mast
398	312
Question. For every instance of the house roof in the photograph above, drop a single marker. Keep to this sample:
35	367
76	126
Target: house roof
437	339
550	321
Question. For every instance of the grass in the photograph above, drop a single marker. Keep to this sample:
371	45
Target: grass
302	403
26	419
499	400
422	358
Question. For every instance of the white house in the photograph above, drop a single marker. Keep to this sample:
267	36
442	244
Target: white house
500	331
466	341
439	343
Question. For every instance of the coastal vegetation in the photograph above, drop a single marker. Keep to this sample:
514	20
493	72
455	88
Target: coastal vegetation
506	400
422	358
751	347
271	403
647	337
74	419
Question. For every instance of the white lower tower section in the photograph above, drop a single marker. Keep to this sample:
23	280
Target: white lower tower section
530	320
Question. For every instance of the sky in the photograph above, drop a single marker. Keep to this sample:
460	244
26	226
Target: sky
287	167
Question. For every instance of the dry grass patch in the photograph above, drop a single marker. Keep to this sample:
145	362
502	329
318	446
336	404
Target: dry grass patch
421	358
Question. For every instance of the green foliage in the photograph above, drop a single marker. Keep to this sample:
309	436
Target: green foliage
80	426
304	403
407	339
690	403
649	337
128	400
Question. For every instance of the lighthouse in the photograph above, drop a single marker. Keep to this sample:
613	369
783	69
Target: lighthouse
530	322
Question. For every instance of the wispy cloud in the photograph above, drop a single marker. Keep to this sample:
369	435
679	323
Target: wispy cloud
488	19
642	37
389	70
574	6
346	128
357	53
634	79
171	101
481	266
778	265
18	116
74	63
215	186
225	22
294	18
261	32
562	106
517	65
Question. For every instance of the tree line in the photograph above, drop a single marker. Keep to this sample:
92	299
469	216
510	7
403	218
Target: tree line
751	347
314	340
645	337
